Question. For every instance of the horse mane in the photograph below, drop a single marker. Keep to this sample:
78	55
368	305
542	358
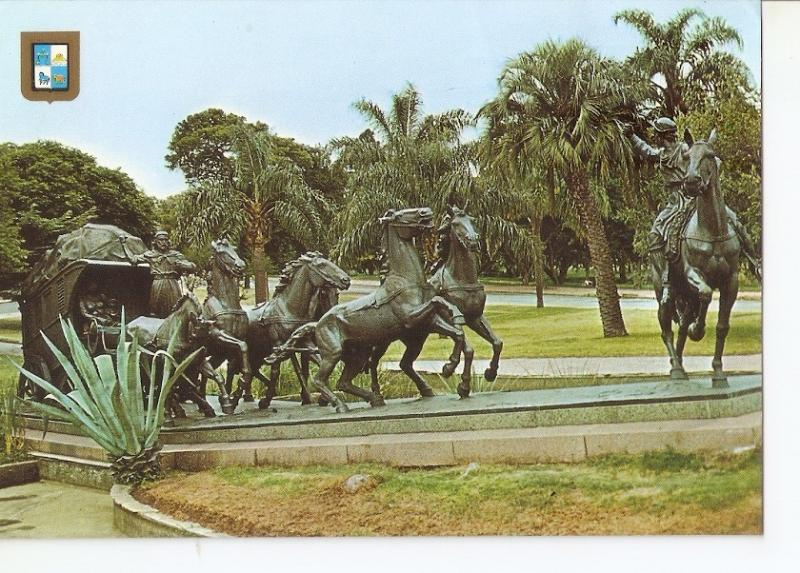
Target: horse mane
442	244
291	268
167	327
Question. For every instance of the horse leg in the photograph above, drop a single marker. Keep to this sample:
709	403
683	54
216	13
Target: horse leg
320	381
353	364
301	372
683	329
666	310
239	349
374	360
271	386
697	329
440	326
305	362
413	349
727	296
484	330
202	405
227	404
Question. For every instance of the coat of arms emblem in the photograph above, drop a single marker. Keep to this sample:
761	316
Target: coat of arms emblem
50	66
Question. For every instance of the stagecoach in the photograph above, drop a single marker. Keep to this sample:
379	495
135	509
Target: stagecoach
87	279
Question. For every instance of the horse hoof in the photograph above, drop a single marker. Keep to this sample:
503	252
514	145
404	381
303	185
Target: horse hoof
228	405
377	401
342	408
719	381
448	369
463	390
678	374
696	332
248	398
490	374
323	402
426	392
209	413
263	404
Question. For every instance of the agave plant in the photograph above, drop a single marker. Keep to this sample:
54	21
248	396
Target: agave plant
108	402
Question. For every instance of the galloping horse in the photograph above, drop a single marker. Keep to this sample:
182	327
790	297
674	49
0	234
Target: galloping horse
403	303
191	331
228	321
456	280
708	260
308	287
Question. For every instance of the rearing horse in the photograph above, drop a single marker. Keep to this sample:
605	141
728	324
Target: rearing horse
455	279
308	287
402	304
228	320
709	260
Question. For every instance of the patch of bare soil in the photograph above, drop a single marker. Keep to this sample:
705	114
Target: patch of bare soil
264	511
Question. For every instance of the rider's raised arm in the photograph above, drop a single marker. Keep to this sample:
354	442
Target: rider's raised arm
643	150
133	259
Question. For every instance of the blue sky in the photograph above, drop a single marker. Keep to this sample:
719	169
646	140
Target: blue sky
296	66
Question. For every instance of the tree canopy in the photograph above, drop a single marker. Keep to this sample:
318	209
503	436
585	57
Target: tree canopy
48	189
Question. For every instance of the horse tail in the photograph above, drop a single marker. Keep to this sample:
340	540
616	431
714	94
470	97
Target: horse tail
297	342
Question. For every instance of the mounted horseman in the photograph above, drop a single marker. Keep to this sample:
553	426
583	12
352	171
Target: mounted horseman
695	245
672	158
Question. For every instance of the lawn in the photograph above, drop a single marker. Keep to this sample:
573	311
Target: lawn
530	332
11	329
662	492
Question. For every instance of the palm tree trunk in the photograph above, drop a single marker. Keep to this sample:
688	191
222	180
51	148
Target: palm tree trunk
538	258
258	244
600	254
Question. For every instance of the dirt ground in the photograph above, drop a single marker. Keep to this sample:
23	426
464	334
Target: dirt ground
281	502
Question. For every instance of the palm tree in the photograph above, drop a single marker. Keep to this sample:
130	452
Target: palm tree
267	193
682	63
562	110
406	158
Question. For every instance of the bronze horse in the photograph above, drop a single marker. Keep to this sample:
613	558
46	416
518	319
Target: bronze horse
708	260
228	320
405	302
455	279
186	323
308	287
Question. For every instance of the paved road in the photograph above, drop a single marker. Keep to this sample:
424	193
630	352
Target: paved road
597	366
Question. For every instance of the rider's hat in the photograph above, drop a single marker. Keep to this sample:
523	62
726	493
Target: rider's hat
665	125
161	233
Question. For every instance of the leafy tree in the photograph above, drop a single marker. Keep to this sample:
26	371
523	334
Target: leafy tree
265	193
407	158
562	109
201	146
683	63
49	189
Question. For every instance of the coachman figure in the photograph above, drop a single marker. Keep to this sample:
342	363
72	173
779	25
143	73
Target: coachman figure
166	267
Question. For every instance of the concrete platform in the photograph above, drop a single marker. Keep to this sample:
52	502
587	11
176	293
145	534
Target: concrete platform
633	402
430	449
613	403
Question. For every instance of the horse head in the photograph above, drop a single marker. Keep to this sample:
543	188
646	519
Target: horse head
325	273
461	228
408	223
225	257
703	168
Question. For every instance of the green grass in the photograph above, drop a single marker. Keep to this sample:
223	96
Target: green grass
656	492
11	329
709	480
529	332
